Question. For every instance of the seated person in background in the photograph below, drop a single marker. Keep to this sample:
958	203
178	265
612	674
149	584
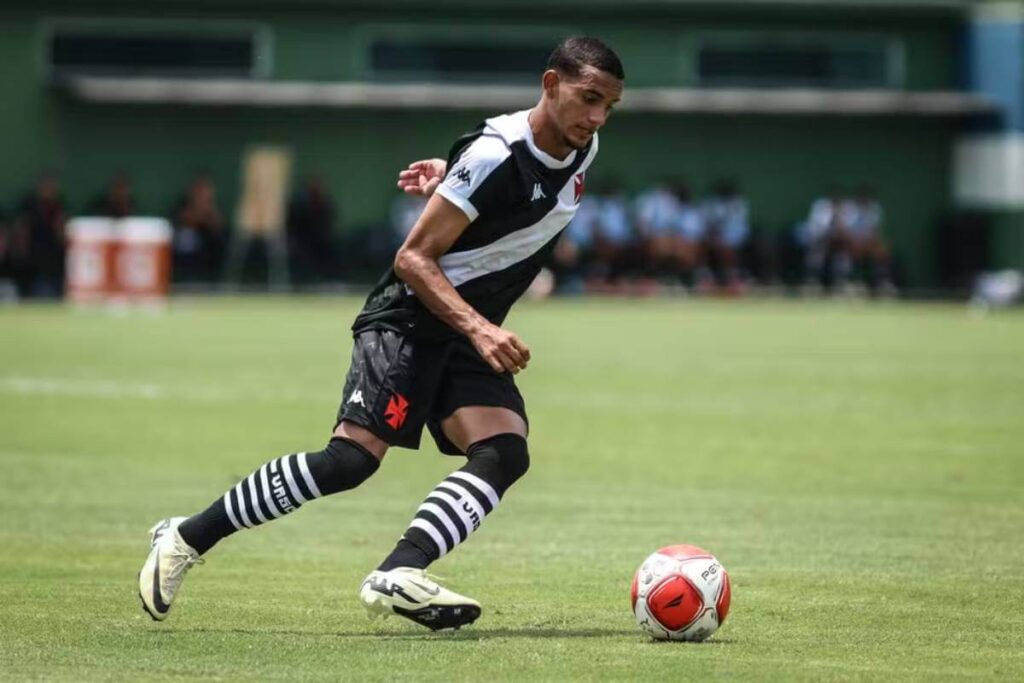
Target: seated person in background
658	220
726	230
825	237
199	232
311	231
39	240
117	201
689	234
614	244
863	221
572	259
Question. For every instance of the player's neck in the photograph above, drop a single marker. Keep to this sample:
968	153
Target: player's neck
546	136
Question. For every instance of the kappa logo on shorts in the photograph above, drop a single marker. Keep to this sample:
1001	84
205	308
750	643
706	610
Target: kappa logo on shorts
396	411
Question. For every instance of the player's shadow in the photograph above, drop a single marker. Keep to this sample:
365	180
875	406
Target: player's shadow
471	634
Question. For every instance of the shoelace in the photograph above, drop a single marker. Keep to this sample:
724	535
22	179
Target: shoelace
181	563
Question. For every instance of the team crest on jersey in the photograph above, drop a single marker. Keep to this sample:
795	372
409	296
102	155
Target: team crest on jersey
397	409
579	186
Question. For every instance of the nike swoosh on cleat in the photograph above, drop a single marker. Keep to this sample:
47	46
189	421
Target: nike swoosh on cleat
429	591
158	531
158	600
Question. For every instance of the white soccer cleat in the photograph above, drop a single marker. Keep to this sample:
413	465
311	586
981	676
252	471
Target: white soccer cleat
169	560
409	592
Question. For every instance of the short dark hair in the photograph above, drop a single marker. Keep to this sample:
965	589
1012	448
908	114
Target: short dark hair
575	52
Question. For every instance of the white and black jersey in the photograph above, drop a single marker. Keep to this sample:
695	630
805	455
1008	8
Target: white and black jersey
518	200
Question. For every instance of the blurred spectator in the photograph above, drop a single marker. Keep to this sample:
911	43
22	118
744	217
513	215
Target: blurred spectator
38	243
726	230
573	253
199	233
117	201
614	247
842	237
690	232
863	219
311	232
825	239
658	222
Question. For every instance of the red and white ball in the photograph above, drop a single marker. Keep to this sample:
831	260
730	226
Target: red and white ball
681	592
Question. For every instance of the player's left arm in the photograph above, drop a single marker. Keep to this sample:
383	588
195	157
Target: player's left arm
416	263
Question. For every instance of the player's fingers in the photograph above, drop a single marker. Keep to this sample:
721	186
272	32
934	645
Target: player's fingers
492	360
512	353
523	349
507	364
431	185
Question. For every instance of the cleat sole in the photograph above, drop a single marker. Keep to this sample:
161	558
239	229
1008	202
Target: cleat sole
439	618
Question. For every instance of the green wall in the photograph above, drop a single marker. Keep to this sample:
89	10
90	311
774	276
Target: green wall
781	162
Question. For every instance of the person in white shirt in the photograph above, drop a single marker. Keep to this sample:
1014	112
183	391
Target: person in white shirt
726	230
868	248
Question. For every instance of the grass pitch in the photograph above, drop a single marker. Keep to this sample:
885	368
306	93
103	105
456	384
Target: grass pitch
859	470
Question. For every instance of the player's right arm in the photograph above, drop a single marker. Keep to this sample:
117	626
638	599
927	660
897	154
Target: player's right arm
416	263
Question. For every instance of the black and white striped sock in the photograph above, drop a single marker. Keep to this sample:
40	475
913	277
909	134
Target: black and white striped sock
452	511
457	506
278	488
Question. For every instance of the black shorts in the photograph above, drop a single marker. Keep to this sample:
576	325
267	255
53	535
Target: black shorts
396	384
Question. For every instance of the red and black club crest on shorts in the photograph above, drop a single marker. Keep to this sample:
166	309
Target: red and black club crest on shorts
396	410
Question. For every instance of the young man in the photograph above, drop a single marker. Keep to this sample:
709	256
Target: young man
429	346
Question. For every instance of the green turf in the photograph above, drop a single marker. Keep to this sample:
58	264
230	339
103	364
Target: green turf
858	469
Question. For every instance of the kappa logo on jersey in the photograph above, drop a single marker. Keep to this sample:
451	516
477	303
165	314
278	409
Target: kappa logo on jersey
357	398
538	192
579	186
463	175
396	411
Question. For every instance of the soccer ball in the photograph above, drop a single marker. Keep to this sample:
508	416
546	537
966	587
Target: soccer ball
681	592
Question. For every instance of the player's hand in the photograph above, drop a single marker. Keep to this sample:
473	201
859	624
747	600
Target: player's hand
503	350
422	177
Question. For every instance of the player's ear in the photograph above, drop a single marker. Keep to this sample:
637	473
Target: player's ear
550	81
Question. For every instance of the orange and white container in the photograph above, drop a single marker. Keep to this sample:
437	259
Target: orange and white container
91	256
143	264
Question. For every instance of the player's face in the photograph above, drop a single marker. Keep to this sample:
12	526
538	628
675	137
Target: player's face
584	104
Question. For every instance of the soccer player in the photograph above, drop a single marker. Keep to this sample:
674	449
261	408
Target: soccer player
430	348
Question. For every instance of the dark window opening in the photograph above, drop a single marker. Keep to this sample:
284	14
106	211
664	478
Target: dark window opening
457	61
768	64
151	54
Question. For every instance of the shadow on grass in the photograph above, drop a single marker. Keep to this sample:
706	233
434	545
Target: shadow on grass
469	634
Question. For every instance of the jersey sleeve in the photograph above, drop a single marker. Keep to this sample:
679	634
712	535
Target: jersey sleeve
469	171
